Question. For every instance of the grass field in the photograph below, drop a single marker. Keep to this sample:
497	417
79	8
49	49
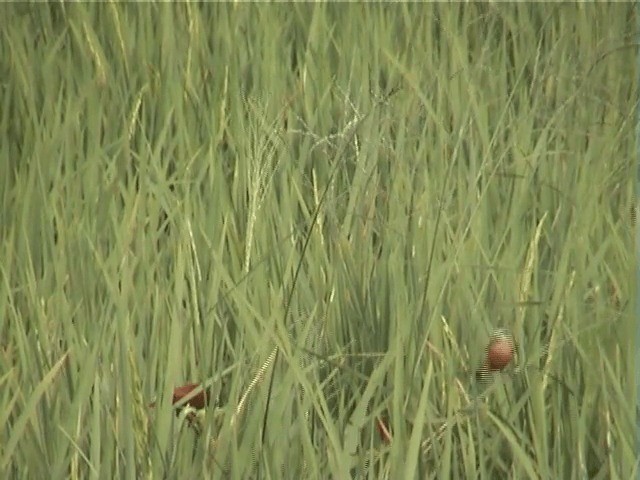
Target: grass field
321	212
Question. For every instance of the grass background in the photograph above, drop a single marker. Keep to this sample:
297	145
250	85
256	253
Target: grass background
322	212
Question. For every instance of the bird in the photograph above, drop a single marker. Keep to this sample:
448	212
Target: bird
198	401
500	353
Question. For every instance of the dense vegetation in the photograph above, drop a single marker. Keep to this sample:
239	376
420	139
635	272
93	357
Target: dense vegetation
321	212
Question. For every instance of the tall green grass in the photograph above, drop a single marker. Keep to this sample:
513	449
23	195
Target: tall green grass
321	212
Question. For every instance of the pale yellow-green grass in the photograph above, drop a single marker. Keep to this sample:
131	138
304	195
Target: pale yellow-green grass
321	212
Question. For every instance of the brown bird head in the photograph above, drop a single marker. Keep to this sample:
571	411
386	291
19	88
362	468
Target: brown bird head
197	400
